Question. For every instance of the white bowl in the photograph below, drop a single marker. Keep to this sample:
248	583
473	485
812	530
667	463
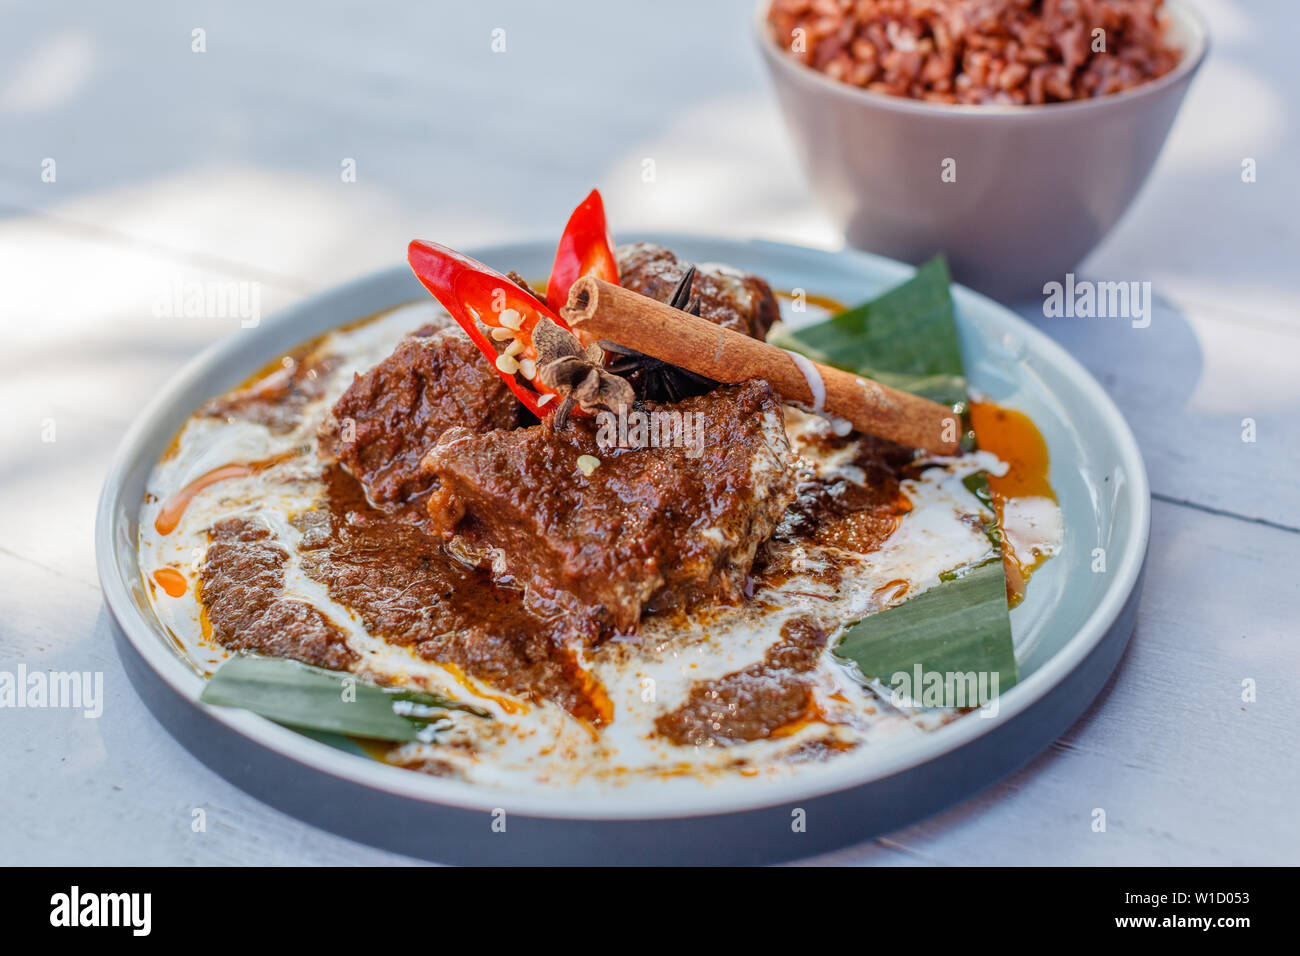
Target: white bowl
1037	187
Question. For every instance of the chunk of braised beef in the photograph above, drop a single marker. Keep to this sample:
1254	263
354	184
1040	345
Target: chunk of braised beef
732	299
244	596
389	417
404	588
605	532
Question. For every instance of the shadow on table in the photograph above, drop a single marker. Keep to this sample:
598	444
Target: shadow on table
1150	373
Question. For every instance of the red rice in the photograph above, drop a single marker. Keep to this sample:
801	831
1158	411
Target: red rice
978	51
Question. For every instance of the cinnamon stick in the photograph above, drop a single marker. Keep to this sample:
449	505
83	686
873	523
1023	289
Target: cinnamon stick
606	311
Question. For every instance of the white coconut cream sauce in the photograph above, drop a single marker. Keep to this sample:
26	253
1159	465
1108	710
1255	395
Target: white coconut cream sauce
811	375
534	745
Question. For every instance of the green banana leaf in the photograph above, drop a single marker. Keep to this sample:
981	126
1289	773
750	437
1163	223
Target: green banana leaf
336	702
959	627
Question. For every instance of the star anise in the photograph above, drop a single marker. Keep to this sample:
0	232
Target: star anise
577	374
655	379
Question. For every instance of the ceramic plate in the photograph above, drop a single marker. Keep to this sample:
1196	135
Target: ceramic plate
1069	632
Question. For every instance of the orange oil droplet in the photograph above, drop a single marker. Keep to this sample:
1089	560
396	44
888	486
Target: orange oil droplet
173	509
824	302
169	516
891	591
505	703
1014	438
812	714
171	581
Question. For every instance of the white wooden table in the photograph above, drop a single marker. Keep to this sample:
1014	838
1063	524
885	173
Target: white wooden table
174	166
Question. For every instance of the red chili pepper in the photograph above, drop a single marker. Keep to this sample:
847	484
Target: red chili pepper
585	250
471	291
